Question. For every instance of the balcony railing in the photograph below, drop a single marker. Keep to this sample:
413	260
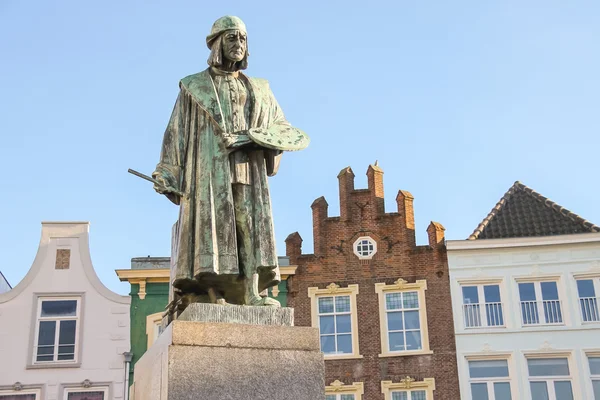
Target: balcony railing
494	315
589	309
546	312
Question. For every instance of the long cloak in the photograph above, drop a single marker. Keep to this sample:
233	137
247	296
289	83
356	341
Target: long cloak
194	160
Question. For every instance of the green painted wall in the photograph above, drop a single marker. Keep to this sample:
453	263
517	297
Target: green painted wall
157	297
282	295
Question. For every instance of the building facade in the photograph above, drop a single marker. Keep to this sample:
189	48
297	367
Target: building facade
525	289
65	335
381	302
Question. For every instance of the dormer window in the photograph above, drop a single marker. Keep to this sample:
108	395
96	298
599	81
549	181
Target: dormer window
365	247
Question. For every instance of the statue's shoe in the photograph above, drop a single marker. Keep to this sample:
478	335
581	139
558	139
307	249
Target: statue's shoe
264	301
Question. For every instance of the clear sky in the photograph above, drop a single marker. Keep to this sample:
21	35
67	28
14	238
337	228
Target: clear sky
456	99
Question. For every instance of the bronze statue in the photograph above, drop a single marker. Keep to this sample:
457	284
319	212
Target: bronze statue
225	137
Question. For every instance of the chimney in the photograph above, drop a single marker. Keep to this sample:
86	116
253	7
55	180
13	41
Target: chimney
293	247
405	208
375	184
346	181
435	231
319	212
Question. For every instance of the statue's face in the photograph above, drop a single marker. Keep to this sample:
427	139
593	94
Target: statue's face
234	45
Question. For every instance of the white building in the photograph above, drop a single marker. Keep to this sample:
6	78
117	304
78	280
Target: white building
525	289
63	334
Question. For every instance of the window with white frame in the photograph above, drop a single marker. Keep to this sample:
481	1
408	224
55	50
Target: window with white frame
408	389
409	395
589	291
550	378
20	395
340	391
339	397
365	247
56	330
482	306
595	374
335	324
489	380
540	303
153	328
333	311
403	321
403	316
93	393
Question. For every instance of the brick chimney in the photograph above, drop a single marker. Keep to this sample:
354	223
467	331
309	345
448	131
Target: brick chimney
405	208
293	247
375	184
435	231
346	182
319	213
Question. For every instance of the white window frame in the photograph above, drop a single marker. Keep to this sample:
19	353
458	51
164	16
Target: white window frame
153	325
400	286
337	389
90	389
549	380
36	392
596	300
482	306
491	380
408	384
39	318
333	290
539	302
360	239
596	377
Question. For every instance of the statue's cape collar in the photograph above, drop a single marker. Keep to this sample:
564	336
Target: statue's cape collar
201	87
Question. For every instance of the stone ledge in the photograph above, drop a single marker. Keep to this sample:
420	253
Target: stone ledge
234	314
206	334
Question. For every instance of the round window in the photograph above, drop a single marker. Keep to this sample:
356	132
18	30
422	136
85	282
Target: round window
365	247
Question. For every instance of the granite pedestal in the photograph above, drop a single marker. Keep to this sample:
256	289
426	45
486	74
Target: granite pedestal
217	352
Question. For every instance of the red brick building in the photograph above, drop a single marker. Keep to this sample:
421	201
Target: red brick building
381	303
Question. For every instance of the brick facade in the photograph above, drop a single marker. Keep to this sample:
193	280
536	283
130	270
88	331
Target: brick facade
362	214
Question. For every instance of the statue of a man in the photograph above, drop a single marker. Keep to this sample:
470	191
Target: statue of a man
224	138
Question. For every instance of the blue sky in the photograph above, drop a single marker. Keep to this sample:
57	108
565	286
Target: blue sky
456	100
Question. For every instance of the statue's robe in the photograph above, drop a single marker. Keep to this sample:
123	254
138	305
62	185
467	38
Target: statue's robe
195	160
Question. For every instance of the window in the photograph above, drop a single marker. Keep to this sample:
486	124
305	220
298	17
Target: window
403	318
549	378
153	328
56	330
335	324
20	395
489	380
94	393
365	247
595	374
408	389
482	306
334	313
540	303
588	290
340	391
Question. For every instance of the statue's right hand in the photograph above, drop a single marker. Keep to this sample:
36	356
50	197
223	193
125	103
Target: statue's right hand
163	185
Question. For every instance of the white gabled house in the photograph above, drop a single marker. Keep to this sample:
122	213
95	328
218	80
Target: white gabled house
63	334
525	291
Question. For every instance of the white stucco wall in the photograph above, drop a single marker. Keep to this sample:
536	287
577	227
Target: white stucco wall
508	261
4	286
103	326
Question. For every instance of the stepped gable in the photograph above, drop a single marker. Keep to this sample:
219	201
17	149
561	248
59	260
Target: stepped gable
522	212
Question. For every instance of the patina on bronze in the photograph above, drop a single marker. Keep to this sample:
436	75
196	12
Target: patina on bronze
225	137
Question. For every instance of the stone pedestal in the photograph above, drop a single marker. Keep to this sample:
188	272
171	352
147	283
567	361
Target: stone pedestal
219	352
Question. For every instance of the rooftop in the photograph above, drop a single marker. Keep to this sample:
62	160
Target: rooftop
522	212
